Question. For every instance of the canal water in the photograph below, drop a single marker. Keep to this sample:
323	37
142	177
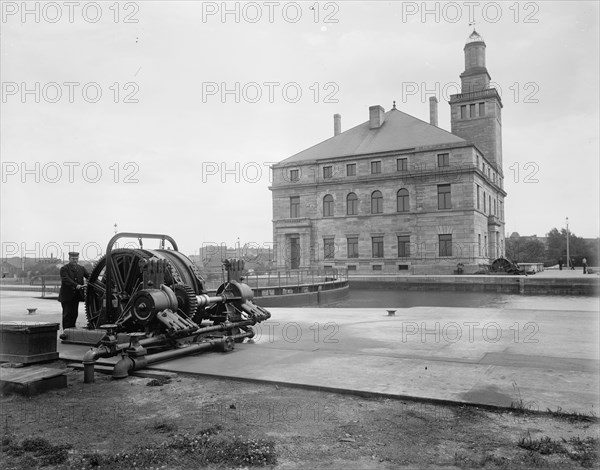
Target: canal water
392	298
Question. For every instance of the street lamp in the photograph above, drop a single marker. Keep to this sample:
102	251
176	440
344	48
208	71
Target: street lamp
568	256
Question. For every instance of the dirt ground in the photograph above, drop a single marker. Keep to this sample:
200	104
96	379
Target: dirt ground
193	422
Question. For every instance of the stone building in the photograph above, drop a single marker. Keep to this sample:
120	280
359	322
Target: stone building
397	194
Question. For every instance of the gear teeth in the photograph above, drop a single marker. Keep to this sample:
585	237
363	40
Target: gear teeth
190	304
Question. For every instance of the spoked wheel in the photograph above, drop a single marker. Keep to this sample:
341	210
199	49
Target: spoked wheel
502	265
126	280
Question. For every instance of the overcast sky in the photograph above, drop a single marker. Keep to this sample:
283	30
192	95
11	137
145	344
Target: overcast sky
187	92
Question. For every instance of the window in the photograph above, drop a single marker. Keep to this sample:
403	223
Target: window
484	203
352	247
445	245
477	160
482	109
294	206
478	189
490	203
402	164
403	246
403	267
444	196
351	169
376	202
351	267
463	112
402	201
328	248
327	171
444	159
377	247
479	243
472	110
494	207
294	175
376	267
376	167
328	206
351	204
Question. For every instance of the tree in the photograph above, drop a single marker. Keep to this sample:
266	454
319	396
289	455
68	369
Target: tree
578	248
525	249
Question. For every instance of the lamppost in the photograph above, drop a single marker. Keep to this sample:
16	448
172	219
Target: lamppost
568	256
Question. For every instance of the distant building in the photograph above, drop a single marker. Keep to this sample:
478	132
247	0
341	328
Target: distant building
397	194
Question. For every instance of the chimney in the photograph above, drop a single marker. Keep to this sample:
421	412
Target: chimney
433	113
376	116
337	124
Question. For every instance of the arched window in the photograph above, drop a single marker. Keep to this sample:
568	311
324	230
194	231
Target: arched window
351	204
402	200
328	206
376	202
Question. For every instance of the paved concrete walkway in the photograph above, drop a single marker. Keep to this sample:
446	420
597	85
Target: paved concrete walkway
538	354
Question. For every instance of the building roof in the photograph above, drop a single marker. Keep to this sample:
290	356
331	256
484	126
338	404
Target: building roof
474	37
399	131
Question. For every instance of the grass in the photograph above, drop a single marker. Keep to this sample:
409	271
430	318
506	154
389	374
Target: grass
204	448
583	451
573	416
519	405
36	451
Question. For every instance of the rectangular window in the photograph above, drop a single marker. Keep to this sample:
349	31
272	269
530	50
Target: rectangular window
327	171
376	267
294	206
376	167
377	247
445	245
351	169
479	243
402	164
490	203
478	189
463	112
494	207
472	110
328	248
403	267
482	109
477	160
294	175
351	267
403	246
443	159
444	196
352	247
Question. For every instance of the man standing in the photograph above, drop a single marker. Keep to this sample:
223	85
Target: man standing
560	264
584	262
71	289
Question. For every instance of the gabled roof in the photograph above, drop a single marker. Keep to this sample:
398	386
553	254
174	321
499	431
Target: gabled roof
399	131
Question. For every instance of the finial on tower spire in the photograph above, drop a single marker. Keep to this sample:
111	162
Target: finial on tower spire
394	106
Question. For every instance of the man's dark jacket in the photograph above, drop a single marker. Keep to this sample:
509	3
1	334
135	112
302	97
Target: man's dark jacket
71	276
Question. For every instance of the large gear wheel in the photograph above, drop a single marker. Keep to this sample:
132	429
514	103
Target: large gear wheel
186	300
126	280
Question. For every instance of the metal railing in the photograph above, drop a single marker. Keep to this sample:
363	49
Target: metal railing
293	278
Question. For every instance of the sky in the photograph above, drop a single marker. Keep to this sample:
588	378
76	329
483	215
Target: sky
163	117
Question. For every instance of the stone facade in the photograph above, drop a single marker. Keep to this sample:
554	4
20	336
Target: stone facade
396	194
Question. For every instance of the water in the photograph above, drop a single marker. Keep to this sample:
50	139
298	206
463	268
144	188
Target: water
391	298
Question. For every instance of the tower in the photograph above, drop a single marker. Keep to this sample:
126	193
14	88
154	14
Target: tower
476	111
